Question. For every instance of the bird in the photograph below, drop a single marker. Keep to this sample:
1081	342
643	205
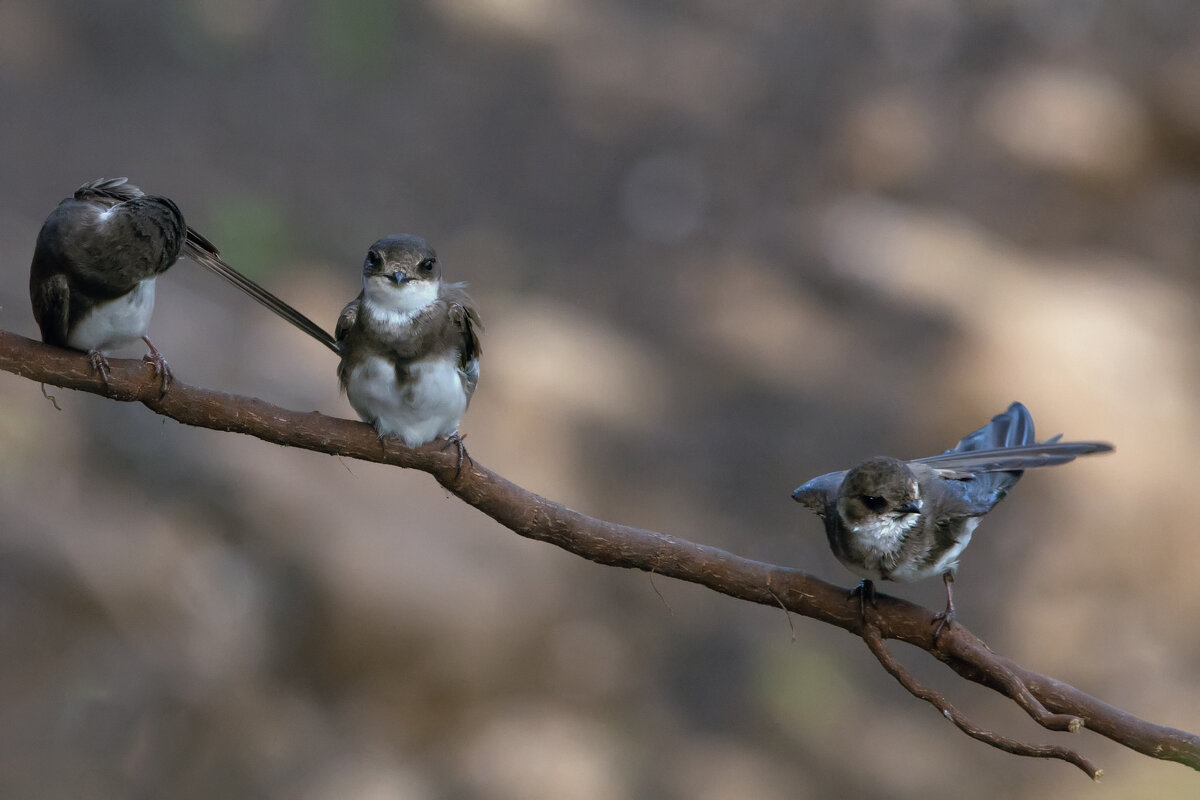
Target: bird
409	345
893	520
95	263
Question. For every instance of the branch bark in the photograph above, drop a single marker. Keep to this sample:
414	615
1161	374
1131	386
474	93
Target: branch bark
1051	703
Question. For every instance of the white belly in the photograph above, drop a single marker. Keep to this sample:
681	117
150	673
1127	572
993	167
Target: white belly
115	323
430	404
946	562
876	543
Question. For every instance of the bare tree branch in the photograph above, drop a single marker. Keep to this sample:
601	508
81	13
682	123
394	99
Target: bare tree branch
938	700
1053	704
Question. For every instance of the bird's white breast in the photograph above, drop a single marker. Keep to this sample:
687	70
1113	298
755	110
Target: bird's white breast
884	533
947	561
427	405
878	541
391	304
116	323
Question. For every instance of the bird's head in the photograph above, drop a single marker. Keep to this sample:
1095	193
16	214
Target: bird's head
401	274
878	490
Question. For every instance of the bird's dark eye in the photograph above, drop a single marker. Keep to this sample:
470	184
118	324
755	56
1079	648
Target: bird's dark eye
373	261
426	265
873	502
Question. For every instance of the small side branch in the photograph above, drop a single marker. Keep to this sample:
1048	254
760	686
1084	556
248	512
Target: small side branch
972	650
937	700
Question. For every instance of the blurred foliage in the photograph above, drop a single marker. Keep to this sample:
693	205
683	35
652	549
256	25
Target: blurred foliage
356	39
252	231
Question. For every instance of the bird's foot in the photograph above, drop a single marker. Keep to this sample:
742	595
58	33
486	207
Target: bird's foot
457	440
865	592
99	365
161	370
943	620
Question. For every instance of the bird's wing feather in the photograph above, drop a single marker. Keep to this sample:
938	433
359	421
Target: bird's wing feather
1011	428
819	493
116	189
466	319
468	325
106	247
51	305
347	319
946	498
961	465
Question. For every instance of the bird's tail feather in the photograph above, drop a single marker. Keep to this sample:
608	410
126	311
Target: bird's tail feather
205	254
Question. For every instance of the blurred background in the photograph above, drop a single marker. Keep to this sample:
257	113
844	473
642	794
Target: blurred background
719	249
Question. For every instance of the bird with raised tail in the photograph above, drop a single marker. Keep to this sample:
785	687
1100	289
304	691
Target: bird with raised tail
409	344
893	520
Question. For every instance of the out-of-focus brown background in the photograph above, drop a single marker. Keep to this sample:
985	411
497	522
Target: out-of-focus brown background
720	248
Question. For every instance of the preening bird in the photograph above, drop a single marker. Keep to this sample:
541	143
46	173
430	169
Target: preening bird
98	254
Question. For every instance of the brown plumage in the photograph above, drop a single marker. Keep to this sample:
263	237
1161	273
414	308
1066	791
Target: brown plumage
91	282
409	343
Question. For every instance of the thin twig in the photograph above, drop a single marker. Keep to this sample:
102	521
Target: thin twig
971	649
786	614
53	400
654	586
936	699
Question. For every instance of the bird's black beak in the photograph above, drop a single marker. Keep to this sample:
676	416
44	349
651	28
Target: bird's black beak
909	508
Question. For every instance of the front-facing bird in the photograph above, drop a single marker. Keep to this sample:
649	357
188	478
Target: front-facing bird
409	344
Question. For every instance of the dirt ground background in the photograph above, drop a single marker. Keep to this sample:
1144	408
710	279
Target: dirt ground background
719	248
